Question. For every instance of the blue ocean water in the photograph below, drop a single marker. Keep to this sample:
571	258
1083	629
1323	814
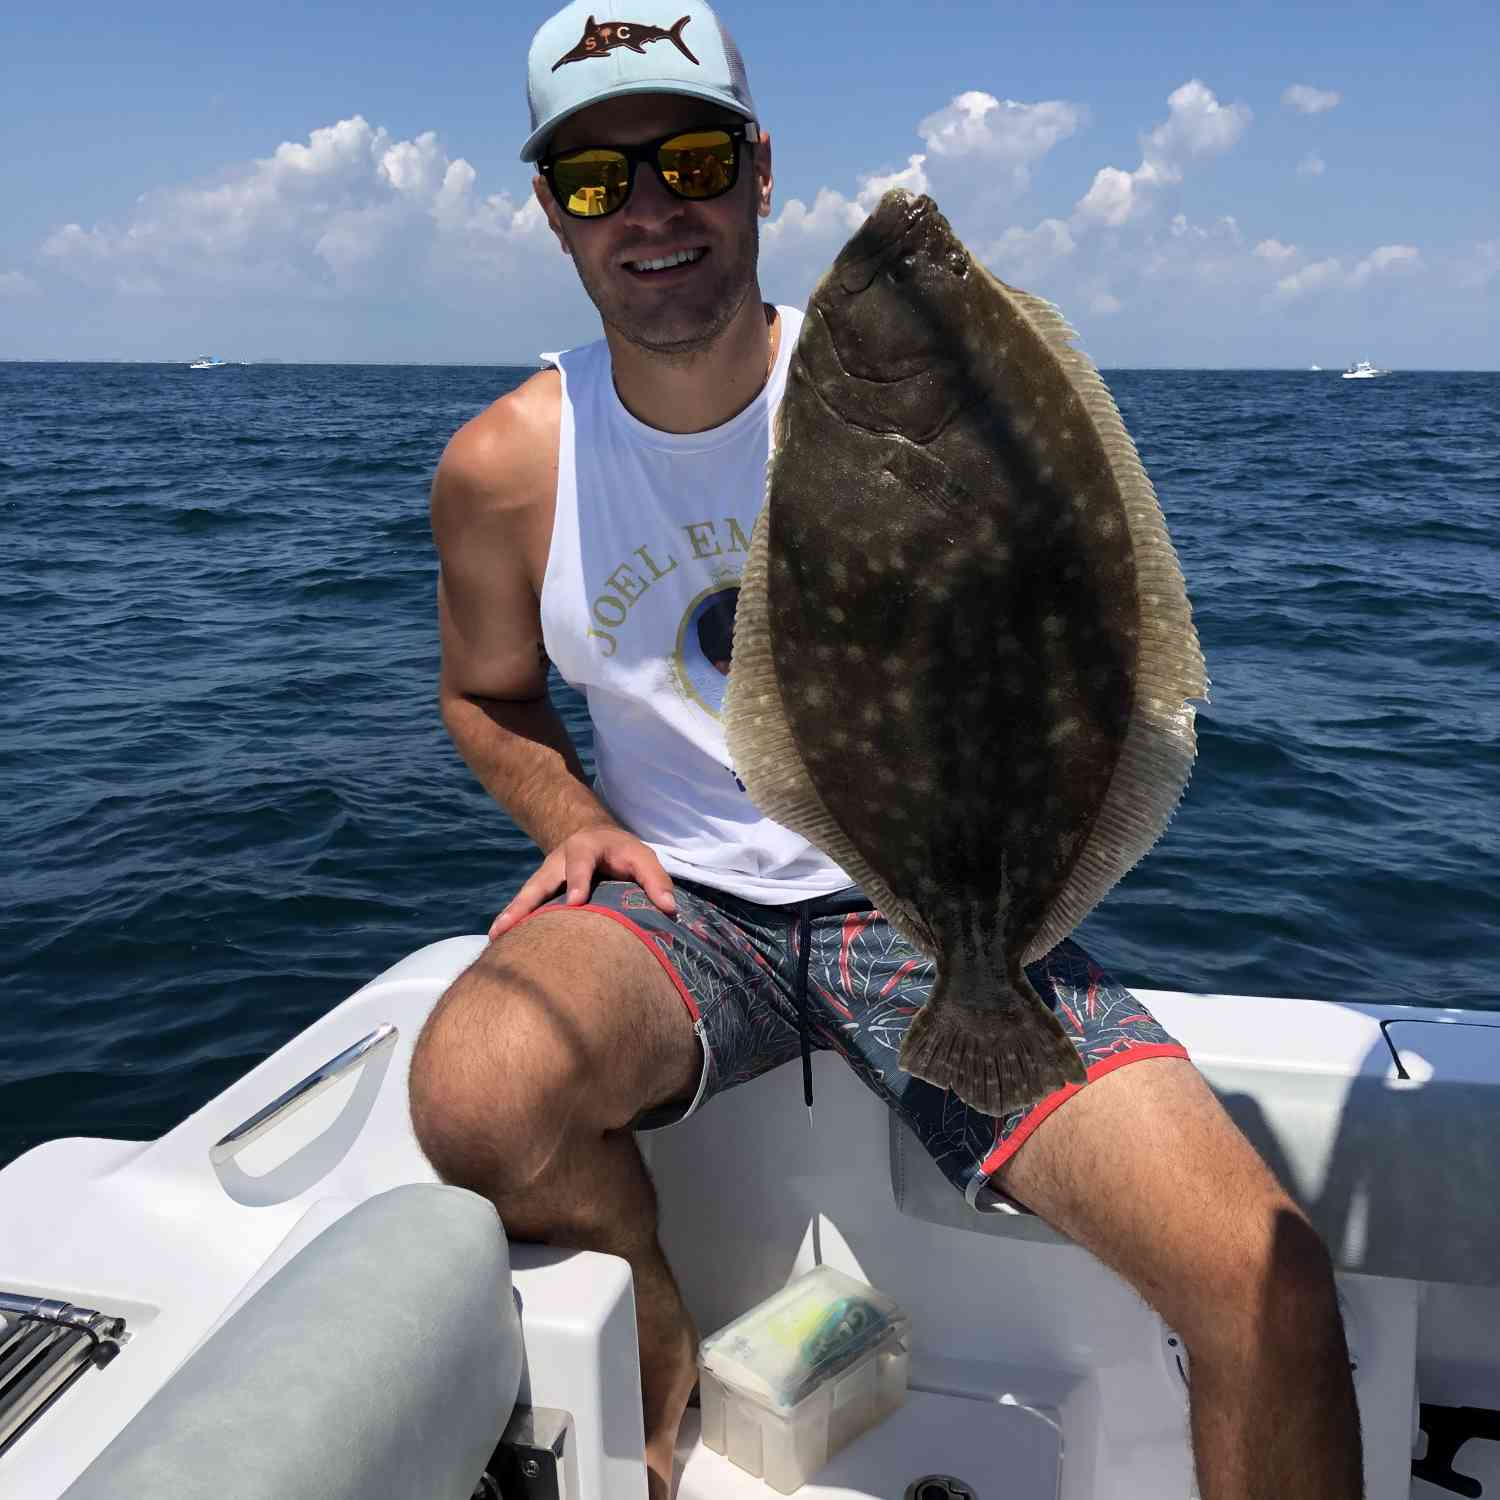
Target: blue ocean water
228	800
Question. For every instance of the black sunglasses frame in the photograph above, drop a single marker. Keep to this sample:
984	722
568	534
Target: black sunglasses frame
747	134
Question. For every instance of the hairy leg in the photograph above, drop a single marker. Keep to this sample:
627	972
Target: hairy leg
1146	1170
524	1084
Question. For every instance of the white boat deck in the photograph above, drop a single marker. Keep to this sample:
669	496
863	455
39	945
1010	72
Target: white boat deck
1029	1359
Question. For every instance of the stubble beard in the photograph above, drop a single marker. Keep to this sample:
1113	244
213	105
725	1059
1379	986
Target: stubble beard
736	282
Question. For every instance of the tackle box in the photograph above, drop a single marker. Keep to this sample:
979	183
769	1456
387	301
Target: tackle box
789	1383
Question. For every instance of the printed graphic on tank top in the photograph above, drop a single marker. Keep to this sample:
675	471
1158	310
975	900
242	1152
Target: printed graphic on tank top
650	538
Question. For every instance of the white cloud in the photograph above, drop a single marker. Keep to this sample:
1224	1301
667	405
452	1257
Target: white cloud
333	212
1310	278
17	284
1104	303
1307	100
1311	165
1023	256
1004	131
1196	125
1274	251
1385	260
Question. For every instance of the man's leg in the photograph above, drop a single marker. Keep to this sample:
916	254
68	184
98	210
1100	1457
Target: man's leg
1145	1169
524	1084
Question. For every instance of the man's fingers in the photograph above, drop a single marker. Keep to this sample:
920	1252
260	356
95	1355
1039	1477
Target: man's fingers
580	871
647	872
539	888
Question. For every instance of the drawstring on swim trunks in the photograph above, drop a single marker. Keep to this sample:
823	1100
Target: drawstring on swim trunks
804	956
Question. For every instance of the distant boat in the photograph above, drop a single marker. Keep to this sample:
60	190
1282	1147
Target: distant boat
1364	370
208	362
1315	367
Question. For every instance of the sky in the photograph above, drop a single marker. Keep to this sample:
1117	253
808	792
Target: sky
1195	185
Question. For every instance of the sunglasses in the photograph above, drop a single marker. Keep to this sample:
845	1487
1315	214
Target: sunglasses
592	181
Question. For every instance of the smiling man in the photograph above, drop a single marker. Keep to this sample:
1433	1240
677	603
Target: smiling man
674	941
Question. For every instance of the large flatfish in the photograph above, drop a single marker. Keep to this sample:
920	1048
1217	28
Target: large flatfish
963	648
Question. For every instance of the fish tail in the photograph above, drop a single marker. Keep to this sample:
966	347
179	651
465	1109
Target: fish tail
996	1058
676	34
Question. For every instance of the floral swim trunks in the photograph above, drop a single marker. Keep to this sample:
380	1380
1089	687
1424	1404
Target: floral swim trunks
739	966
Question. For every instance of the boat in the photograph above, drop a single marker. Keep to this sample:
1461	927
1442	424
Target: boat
1363	370
1315	367
209	362
276	1298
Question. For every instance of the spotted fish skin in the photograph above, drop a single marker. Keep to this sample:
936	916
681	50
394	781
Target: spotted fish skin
961	658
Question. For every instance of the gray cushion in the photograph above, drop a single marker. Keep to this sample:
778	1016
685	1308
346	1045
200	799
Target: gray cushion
381	1361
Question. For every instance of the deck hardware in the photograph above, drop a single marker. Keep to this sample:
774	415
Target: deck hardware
366	1049
1448	1428
940	1487
535	1458
45	1345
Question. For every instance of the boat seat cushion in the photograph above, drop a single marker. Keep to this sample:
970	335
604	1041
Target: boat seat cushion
382	1362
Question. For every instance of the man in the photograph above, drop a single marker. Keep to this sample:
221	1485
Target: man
597	517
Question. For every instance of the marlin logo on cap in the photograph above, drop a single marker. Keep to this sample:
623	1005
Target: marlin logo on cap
600	41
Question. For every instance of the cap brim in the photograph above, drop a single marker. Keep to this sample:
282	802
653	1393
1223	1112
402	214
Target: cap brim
538	137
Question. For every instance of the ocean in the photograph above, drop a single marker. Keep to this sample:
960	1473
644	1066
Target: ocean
228	800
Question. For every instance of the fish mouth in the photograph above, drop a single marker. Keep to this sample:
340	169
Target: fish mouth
900	221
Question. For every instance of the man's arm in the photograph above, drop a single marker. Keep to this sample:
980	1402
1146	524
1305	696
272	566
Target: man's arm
492	505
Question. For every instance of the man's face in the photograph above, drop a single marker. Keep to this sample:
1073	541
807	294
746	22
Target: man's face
685	307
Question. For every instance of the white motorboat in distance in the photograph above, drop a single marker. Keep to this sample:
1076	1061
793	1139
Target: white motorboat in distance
209	362
1363	370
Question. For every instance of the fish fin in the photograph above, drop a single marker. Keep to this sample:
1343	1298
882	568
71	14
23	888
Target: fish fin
764	752
676	34
996	1058
1160	745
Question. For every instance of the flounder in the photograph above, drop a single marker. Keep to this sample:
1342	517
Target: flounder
963	647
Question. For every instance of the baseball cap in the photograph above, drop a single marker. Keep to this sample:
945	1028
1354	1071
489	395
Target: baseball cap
603	49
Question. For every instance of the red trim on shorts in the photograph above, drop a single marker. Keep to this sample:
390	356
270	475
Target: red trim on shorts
1007	1148
652	946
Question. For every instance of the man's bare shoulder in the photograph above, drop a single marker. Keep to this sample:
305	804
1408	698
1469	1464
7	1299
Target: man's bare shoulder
504	459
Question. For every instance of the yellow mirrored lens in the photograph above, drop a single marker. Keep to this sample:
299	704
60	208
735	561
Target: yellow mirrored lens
591	182
698	163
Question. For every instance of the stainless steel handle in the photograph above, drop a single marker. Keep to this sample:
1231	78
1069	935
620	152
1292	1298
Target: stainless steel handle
382	1039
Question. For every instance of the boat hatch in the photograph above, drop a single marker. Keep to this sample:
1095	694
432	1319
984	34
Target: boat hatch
45	1345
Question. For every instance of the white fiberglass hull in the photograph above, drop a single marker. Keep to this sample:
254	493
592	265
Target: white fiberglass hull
1028	1358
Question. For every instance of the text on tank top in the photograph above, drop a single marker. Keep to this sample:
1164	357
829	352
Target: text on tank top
648	543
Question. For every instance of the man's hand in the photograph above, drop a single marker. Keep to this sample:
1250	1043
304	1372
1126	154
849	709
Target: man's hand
579	863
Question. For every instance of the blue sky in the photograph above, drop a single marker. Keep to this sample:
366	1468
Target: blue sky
1195	185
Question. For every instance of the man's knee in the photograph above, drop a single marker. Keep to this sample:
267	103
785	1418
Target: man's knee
1269	1286
497	1076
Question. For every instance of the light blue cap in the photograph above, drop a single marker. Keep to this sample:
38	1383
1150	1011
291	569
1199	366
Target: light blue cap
602	49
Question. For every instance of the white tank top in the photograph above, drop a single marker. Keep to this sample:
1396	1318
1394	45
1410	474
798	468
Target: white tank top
649	540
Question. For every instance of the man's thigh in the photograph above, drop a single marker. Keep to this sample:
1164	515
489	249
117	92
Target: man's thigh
1145	1169
571	1009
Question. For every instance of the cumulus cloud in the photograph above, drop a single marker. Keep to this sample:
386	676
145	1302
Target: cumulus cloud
1023	256
1004	132
833	217
17	284
1385	259
1005	136
320	214
1307	100
1311	165
1322	275
1274	251
1196	125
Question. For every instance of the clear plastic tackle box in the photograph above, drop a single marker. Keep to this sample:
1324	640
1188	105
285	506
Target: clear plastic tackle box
789	1383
